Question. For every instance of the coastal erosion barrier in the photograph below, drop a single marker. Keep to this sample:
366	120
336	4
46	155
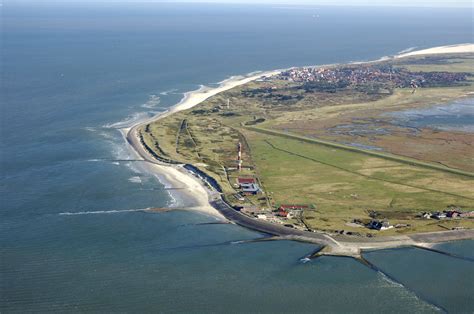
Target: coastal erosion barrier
204	176
210	181
269	228
153	153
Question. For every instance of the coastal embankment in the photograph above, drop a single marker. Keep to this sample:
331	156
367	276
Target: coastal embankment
209	201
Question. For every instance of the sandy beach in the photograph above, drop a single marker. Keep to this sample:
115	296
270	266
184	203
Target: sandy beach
194	98
193	195
461	48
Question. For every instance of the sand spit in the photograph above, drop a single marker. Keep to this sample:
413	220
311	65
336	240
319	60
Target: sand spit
461	48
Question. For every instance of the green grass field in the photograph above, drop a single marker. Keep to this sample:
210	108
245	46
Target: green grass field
345	185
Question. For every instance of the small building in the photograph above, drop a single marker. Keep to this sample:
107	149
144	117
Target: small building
452	214
282	213
379	225
438	215
261	216
248	186
426	215
250	189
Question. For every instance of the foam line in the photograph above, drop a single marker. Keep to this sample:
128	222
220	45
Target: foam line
98	212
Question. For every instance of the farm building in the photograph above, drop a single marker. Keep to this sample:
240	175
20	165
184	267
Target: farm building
379	225
246	181
250	189
248	186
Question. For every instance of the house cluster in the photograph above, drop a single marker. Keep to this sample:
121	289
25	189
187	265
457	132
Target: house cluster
364	74
248	186
290	211
352	75
447	214
380	225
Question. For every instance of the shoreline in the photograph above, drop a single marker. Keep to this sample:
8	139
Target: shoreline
205	200
193	195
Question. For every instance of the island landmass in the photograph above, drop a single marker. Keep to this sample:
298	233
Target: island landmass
350	156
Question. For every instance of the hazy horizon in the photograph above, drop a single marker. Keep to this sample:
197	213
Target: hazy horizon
382	3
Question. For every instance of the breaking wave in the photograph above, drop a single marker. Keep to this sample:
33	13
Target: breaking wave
153	102
406	50
305	260
390	281
167	92
135	179
98	212
127	122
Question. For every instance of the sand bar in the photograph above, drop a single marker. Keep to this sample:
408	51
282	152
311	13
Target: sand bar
461	48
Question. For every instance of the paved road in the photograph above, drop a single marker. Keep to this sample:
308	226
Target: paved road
443	236
267	227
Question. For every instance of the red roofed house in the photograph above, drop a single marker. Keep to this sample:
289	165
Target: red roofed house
246	181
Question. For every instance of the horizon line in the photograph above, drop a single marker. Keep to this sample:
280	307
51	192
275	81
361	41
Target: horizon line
254	3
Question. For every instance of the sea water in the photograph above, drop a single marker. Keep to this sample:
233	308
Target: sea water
74	230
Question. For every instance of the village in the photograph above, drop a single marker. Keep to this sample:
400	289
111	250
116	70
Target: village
341	77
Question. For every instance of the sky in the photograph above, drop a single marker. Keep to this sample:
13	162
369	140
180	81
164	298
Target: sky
402	3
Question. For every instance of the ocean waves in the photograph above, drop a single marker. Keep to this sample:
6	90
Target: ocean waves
152	103
101	212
